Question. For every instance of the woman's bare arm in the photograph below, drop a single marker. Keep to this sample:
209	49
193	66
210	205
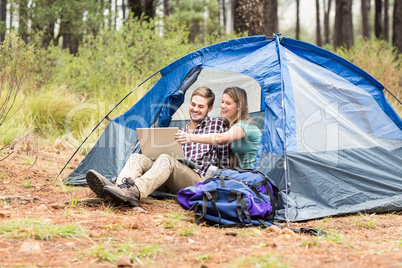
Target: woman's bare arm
233	134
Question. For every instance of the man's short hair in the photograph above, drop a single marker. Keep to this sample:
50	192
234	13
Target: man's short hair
205	92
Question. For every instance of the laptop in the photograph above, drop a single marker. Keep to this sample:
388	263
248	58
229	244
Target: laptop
157	141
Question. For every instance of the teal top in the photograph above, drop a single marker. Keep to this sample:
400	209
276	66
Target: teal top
246	147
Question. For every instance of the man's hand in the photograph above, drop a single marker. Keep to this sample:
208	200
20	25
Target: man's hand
182	137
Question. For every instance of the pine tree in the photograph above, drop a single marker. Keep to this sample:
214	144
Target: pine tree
378	19
327	9
3	18
397	26
365	4
343	30
318	24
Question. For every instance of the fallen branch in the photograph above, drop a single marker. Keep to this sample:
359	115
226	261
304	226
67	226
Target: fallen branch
6	156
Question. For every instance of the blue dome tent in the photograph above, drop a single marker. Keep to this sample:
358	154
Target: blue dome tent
331	141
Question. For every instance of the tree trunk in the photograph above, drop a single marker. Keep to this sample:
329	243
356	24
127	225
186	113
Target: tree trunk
66	35
48	35
270	17
318	23
397	26
3	19
71	43
298	19
338	24
327	9
166	9
142	7
10	13
66	41
385	32
365	18
224	15
249	16
110	17
116	14
46	27
230	22
343	31
23	20
347	30
194	32
123	8
74	42
377	20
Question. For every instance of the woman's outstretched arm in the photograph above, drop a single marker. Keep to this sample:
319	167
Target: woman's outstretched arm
233	134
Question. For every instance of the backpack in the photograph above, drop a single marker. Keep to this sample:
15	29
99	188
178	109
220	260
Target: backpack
232	198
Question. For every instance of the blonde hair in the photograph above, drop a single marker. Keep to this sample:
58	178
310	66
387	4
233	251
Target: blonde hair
239	95
205	92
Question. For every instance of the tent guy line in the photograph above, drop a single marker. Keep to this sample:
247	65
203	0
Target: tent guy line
100	122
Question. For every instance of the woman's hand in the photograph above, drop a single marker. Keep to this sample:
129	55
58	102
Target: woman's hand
182	137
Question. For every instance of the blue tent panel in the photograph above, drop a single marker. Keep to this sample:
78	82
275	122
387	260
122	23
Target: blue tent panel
108	155
336	183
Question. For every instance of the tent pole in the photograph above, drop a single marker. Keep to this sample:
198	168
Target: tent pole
105	117
285	159
393	95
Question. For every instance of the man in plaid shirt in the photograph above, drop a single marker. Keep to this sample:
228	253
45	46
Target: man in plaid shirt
206	155
141	176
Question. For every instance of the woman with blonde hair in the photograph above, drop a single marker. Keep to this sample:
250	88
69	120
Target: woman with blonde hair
243	135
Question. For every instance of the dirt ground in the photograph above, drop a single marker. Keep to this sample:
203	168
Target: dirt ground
160	233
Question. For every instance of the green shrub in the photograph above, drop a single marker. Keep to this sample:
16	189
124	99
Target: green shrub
46	112
17	81
116	59
59	116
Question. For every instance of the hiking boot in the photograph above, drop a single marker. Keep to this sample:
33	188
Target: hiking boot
97	182
126	182
126	193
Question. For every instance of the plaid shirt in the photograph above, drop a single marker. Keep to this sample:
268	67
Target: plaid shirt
205	155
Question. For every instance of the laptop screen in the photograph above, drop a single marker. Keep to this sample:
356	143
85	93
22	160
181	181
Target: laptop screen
157	141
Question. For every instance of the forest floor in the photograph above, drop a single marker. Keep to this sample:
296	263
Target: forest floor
44	223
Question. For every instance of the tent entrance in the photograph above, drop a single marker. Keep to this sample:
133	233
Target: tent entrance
257	117
217	81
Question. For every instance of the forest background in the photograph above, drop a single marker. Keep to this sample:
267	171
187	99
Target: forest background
65	64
